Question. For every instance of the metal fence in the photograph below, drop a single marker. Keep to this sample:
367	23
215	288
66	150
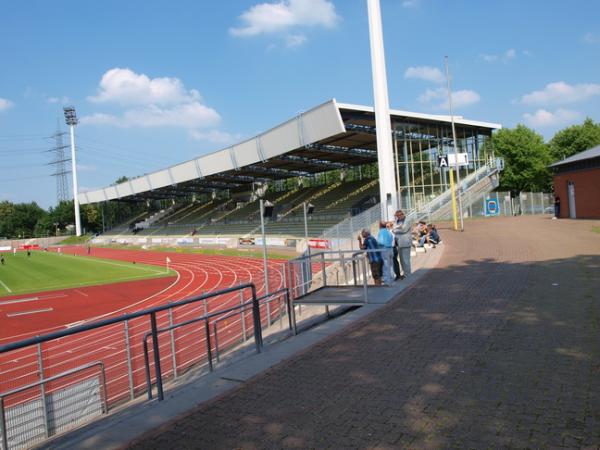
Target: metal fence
52	382
475	191
342	235
526	203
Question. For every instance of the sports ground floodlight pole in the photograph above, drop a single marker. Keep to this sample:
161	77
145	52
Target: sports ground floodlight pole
460	209
385	155
71	119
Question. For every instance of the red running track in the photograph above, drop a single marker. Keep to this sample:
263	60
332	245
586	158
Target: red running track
119	346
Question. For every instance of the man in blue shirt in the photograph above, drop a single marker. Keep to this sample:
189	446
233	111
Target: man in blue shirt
385	239
375	260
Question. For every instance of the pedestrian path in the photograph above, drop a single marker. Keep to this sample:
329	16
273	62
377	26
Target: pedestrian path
498	346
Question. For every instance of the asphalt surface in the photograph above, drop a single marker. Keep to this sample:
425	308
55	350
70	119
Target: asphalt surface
497	347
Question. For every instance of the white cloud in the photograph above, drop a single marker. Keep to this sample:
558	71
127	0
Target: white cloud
560	93
591	38
214	136
5	104
425	73
285	15
509	54
294	40
438	98
188	115
150	102
125	87
542	118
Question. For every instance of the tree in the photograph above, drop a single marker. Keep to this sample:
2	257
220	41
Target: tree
575	139
63	214
19	219
526	159
91	218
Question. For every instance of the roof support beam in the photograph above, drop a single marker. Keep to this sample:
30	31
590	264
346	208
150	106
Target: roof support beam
360	152
321	163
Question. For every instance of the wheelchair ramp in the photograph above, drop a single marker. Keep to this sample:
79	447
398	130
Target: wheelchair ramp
336	295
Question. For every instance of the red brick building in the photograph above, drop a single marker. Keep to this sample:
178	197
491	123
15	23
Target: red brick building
577	183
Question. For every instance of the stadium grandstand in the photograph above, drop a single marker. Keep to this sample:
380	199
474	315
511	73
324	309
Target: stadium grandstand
325	157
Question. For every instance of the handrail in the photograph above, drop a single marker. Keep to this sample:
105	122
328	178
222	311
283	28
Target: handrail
242	308
101	323
205	318
152	312
4	434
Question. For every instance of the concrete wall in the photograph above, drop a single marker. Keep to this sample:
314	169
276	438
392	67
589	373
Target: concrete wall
587	192
42	242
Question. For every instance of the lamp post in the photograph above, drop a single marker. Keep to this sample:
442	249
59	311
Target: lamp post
460	209
266	209
71	119
308	209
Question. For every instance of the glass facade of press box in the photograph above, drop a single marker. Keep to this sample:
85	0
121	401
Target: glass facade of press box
417	146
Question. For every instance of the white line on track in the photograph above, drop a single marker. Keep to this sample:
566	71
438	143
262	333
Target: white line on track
24	313
81	292
185	264
5	286
31	299
120	265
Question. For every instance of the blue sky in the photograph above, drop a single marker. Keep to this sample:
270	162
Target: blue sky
156	82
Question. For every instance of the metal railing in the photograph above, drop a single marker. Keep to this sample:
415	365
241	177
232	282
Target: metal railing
338	234
333	268
244	307
121	366
42	383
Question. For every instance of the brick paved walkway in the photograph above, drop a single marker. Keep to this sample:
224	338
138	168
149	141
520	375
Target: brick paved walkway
499	347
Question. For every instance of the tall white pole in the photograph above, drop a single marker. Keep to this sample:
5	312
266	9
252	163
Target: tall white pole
75	190
385	156
459	190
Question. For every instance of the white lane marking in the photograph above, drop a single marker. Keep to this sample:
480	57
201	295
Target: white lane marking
74	324
5	286
24	313
31	299
121	265
81	292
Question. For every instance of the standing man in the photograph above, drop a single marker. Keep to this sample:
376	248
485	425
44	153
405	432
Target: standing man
402	234
368	242
556	207
385	239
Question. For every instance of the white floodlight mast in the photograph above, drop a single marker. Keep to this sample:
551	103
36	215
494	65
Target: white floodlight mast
71	119
385	155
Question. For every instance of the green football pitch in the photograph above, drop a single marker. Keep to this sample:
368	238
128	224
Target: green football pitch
44	271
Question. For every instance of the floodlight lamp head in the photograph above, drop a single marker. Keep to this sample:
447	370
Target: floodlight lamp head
70	115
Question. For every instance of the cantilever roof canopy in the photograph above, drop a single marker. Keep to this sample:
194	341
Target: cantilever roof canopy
329	136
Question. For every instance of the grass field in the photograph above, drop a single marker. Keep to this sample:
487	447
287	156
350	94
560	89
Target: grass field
44	271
